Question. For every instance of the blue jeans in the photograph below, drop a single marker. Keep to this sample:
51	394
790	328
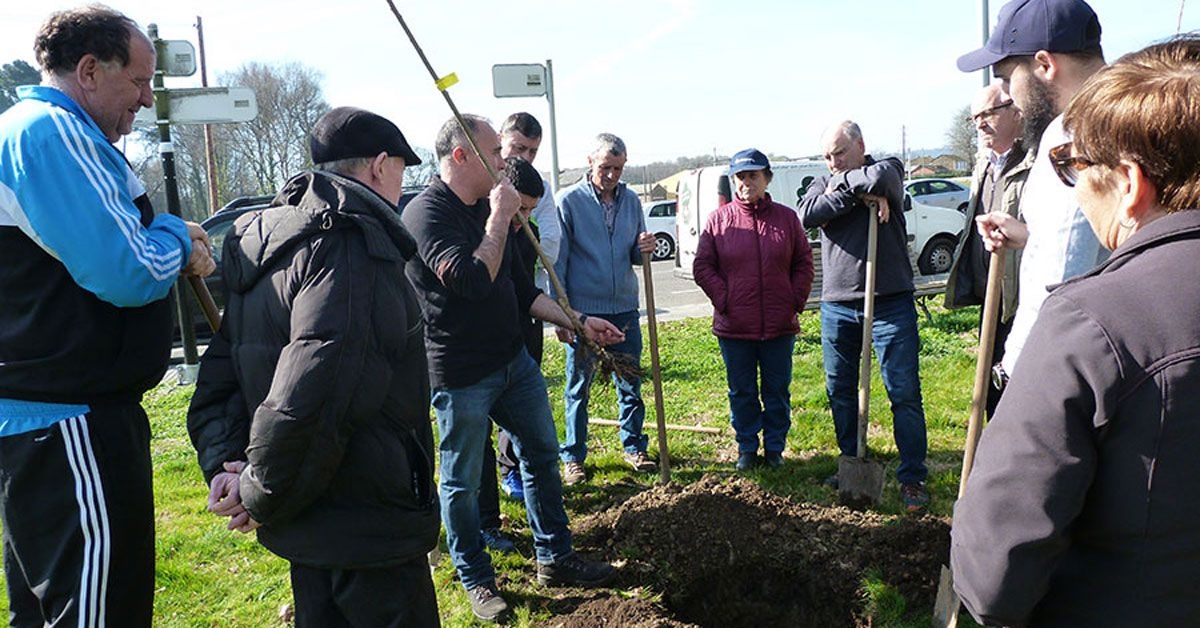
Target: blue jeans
581	367
744	361
894	335
515	397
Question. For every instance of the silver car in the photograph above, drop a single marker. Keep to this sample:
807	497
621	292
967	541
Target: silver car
940	192
660	220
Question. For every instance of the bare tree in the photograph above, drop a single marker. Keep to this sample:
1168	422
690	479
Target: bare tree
262	153
252	158
962	137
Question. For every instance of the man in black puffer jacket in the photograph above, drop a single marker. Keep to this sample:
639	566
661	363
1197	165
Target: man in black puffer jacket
311	413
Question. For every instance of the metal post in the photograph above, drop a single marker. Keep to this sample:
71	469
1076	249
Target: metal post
210	161
987	69
162	104
553	128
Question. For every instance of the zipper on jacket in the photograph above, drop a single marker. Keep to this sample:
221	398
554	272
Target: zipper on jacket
762	308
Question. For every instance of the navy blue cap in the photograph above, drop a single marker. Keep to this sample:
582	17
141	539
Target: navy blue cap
1027	26
749	159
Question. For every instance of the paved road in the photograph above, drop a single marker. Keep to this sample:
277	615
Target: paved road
674	298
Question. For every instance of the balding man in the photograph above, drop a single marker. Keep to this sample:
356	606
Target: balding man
838	204
473	298
996	186
85	328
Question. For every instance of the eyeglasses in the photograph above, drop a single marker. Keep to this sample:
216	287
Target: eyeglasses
1068	166
990	113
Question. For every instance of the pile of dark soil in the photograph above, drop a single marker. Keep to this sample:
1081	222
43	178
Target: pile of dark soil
722	552
603	610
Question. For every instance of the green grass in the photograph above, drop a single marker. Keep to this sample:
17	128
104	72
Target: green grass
208	576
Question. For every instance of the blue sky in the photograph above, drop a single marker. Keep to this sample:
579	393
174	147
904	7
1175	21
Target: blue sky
671	77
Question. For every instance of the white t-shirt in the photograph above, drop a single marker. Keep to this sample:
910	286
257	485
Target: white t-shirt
1061	242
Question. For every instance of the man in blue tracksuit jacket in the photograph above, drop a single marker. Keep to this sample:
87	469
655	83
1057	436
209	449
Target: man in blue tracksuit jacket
84	328
603	236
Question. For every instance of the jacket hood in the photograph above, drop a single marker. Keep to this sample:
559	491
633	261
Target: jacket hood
309	203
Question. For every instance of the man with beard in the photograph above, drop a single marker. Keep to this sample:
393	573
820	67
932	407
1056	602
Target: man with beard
1043	51
996	186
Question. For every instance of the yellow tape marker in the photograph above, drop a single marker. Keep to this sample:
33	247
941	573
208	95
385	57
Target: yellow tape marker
446	81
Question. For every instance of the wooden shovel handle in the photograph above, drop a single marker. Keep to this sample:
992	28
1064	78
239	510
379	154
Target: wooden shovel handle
664	460
983	364
864	373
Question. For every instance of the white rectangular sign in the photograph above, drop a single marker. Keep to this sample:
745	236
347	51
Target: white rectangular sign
206	105
511	80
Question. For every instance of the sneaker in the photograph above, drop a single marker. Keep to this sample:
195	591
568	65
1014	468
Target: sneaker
573	473
574	571
486	602
915	497
747	461
831	482
513	486
773	459
640	461
496	541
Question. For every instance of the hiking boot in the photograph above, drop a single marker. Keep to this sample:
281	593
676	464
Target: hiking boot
513	486
487	604
574	571
773	459
831	482
573	473
747	460
915	497
496	541
640	461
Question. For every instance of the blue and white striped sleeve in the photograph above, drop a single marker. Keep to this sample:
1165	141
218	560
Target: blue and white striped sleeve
75	198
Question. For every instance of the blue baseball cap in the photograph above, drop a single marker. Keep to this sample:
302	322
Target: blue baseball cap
1027	26
749	159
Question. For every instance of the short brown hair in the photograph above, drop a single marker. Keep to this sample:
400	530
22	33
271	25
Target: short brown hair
1145	108
69	35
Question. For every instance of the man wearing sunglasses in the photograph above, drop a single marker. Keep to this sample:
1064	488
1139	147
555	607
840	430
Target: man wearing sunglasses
1042	51
996	186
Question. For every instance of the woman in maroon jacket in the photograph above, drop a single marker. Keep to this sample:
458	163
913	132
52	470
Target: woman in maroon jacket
755	265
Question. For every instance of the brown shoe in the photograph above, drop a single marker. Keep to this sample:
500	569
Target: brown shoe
573	473
640	461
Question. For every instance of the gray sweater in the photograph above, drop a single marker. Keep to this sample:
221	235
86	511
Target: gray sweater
842	217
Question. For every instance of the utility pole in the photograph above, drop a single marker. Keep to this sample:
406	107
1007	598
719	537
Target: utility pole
210	161
904	150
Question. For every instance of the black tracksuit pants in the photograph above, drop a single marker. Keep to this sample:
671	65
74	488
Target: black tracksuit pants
77	505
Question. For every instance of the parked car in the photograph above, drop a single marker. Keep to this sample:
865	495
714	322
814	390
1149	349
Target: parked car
660	220
940	192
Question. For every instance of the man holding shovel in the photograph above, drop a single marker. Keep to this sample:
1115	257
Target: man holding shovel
838	204
996	186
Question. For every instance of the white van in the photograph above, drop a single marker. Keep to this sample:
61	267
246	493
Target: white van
932	231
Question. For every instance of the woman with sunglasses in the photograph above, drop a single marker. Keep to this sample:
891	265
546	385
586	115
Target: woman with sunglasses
1083	508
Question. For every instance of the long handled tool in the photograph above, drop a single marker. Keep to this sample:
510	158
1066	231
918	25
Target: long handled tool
946	605
207	305
621	365
664	459
860	481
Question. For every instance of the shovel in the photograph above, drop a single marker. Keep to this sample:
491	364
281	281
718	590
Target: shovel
860	481
946	604
664	459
